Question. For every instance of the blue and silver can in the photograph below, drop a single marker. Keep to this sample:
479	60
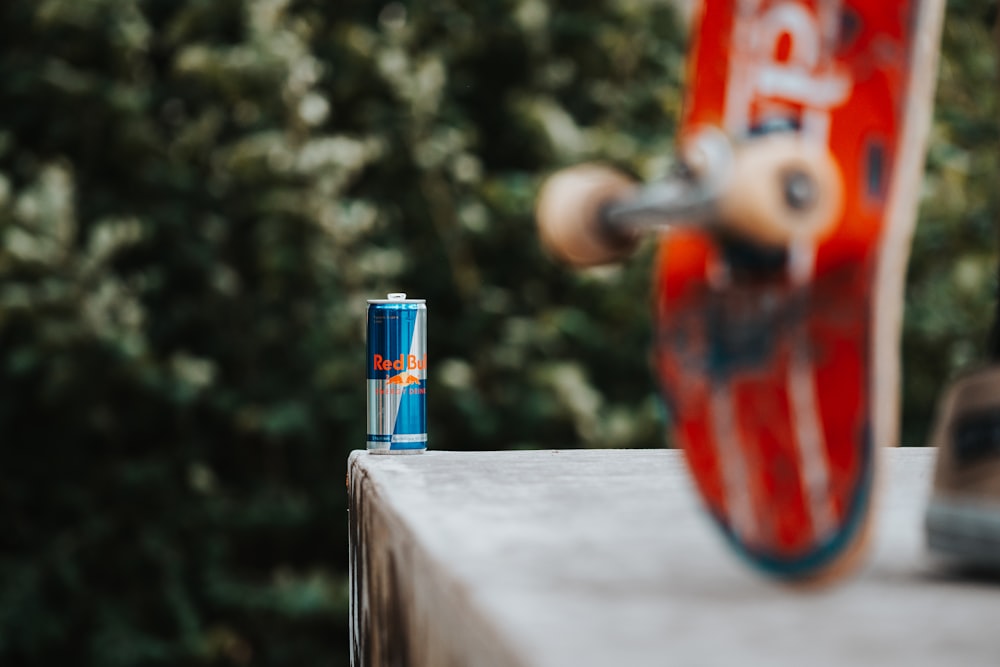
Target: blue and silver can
397	375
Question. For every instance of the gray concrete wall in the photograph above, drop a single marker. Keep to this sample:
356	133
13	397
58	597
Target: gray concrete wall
578	558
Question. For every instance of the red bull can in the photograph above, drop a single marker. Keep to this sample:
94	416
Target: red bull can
397	375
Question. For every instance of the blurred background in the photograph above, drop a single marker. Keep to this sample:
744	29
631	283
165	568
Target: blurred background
197	197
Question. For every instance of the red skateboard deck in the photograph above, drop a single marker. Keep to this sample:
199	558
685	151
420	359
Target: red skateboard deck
780	366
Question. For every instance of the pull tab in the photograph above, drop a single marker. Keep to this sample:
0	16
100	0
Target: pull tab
397	296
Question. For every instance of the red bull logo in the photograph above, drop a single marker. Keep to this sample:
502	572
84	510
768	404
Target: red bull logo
404	380
396	384
405	362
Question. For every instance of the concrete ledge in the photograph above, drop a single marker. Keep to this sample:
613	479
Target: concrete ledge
603	558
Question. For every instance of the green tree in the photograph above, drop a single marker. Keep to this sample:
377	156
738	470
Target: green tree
952	288
196	198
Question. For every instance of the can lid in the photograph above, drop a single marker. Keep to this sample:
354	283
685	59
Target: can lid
397	297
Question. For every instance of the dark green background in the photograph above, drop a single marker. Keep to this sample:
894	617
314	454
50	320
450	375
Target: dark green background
197	197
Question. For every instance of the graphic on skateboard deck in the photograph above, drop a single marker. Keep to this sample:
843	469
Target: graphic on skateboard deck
779	281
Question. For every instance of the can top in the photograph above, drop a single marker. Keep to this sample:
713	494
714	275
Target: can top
397	297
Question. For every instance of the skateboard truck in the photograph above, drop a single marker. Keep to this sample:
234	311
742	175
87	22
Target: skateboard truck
768	191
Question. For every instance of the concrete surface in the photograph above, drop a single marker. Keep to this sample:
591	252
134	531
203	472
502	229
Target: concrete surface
603	558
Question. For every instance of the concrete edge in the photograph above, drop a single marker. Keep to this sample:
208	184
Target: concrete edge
405	607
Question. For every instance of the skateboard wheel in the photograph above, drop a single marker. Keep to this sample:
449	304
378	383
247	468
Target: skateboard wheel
569	214
782	189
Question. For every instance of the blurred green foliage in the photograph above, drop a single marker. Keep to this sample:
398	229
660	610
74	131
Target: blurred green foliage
951	289
197	197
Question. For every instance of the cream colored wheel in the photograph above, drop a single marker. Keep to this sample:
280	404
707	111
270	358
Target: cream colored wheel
781	189
569	215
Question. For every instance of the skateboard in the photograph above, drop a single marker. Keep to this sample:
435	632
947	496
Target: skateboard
783	234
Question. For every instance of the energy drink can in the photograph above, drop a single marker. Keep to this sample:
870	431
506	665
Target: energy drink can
397	375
